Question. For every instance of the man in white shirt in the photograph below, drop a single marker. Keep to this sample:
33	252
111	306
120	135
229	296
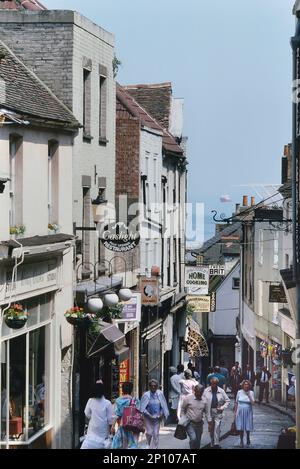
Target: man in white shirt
217	401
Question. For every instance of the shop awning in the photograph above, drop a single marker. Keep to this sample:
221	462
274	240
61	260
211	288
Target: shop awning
108	340
196	343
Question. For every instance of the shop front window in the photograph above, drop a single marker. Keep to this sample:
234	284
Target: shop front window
24	385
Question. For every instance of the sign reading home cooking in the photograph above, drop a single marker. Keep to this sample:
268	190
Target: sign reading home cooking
200	304
196	280
118	238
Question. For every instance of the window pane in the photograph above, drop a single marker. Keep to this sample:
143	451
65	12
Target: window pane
17	379
45	307
32	307
37	381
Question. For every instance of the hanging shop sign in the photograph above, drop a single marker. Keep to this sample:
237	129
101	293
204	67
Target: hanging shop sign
149	291
213	302
123	375
217	270
197	280
117	237
130	311
277	294
199	304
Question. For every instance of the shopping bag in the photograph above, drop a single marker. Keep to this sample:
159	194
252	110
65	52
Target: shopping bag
180	433
132	419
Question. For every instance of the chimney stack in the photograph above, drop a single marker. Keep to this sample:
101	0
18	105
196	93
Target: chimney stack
252	201
245	201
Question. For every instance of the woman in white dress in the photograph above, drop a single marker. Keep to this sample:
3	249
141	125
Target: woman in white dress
187	386
243	410
99	411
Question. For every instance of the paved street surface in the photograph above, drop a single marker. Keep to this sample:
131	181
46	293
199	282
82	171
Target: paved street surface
267	427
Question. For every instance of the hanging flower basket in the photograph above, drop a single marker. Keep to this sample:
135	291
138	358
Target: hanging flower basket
77	317
16	317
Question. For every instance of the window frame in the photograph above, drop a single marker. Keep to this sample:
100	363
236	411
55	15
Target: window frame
5	342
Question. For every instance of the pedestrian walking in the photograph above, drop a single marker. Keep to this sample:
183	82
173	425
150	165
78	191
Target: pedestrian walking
175	390
217	374
99	412
243	410
194	408
225	372
124	439
263	381
154	407
217	401
235	380
187	385
249	375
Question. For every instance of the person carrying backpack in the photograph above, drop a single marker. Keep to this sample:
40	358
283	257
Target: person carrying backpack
123	438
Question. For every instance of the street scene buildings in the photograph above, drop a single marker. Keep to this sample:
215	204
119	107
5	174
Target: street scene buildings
98	285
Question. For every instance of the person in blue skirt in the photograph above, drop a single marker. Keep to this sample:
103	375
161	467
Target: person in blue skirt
244	411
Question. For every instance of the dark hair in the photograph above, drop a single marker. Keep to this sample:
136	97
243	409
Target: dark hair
97	390
210	369
190	365
127	387
180	368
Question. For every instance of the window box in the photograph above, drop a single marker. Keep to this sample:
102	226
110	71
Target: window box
17	231
103	141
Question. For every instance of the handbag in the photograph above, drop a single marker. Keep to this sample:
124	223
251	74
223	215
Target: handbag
233	430
180	433
132	419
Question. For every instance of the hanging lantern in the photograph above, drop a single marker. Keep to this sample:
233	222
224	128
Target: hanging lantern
111	299
95	305
125	294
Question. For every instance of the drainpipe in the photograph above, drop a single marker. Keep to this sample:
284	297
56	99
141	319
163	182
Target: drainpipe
295	43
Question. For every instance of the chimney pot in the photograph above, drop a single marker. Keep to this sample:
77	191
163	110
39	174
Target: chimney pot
252	201
237	207
245	201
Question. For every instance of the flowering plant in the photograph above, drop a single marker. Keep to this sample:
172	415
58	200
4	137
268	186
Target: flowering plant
53	227
17	230
16	312
78	313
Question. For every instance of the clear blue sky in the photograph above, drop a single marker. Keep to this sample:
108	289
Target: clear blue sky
231	61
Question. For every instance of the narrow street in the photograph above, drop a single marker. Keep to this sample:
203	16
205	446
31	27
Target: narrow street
267	424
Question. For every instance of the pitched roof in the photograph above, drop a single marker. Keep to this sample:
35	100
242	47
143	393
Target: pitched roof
155	98
33	5
169	142
25	93
230	230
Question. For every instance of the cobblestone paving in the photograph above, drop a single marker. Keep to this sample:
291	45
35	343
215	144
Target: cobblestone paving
267	427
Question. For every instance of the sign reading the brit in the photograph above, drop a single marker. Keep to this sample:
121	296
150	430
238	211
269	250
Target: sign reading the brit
197	280
217	270
117	238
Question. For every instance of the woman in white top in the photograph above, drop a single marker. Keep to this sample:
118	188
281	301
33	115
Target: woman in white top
99	411
187	386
